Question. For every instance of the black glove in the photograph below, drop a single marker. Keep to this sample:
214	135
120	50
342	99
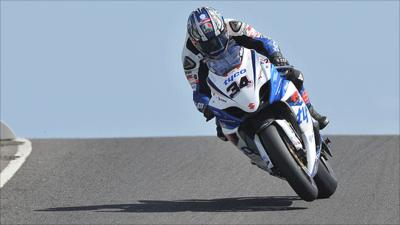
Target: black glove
207	113
278	60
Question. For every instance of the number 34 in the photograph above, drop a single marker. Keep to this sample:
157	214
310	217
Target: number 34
235	87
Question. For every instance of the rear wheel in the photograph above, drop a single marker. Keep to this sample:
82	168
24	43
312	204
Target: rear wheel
325	179
288	165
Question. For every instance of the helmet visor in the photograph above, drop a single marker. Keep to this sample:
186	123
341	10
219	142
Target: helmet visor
214	46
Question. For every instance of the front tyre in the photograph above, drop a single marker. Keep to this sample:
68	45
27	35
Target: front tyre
280	156
325	179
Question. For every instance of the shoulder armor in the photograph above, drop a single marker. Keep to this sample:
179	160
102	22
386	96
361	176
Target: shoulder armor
188	63
235	25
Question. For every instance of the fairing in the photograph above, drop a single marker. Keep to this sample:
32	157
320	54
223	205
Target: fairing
254	71
239	88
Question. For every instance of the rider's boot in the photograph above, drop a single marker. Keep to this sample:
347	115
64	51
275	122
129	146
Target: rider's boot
322	120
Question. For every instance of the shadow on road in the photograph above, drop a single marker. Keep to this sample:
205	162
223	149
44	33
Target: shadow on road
241	204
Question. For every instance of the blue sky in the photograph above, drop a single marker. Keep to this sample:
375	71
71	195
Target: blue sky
113	69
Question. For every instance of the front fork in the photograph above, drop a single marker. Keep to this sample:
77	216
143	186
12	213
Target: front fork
318	138
323	145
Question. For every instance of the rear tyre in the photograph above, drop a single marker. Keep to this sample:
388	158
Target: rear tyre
280	156
325	179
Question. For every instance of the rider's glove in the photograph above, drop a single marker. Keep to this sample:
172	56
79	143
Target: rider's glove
201	102
278	60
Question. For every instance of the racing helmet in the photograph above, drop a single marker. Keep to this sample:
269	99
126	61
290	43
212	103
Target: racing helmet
207	31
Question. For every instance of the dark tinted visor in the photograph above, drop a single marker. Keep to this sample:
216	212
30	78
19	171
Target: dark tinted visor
215	45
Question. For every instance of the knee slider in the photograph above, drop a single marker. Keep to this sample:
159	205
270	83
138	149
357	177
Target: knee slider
296	77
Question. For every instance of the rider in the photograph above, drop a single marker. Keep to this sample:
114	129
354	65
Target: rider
208	34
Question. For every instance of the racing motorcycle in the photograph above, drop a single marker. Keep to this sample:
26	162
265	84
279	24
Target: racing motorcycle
263	114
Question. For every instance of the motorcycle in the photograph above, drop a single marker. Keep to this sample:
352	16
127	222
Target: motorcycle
263	114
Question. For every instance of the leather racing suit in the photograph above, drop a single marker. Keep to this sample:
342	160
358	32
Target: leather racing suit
196	69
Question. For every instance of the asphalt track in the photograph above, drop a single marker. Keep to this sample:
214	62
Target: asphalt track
193	180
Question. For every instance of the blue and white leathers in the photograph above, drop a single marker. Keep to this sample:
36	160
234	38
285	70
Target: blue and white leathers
192	59
240	88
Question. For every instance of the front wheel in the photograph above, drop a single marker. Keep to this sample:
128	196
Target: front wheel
287	165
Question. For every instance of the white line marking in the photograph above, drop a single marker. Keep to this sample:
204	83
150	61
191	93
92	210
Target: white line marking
23	152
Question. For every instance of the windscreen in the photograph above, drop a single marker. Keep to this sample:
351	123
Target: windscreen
228	60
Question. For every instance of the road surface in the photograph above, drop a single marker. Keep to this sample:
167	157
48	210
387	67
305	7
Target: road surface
193	180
